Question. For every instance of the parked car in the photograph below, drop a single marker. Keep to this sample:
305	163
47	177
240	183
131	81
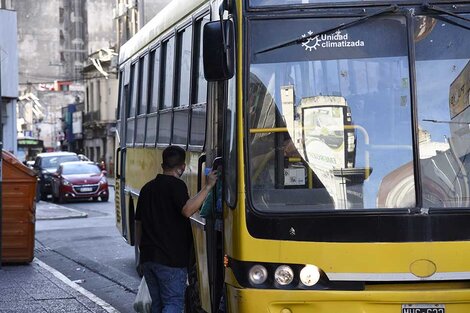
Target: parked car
79	180
83	157
47	163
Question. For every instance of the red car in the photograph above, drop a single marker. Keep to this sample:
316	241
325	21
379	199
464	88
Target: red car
79	180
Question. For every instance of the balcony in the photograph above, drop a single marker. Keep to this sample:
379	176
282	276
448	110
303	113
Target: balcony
92	117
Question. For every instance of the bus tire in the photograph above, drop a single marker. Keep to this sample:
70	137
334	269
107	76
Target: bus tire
192	301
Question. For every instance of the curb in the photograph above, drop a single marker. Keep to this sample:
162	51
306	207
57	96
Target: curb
103	304
72	213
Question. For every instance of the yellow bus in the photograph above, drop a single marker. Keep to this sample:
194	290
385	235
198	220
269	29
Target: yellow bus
343	132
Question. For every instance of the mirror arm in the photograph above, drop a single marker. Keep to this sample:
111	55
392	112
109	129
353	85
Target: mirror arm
221	19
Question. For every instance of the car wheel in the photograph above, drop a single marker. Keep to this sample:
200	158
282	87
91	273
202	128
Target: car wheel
105	198
43	196
38	192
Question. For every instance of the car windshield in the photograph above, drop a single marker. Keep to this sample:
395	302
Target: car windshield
330	119
54	161
80	168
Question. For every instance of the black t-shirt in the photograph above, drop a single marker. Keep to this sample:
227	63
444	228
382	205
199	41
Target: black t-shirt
166	233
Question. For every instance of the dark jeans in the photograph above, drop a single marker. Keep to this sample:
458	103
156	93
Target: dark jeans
167	286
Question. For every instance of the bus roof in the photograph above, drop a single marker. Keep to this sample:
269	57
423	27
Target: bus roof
170	15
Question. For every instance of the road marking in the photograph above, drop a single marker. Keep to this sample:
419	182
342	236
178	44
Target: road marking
106	306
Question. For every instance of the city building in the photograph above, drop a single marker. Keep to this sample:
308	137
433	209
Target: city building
52	47
99	120
67	72
8	75
132	15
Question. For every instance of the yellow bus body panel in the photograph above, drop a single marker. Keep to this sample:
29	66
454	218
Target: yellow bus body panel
145	163
300	301
332	257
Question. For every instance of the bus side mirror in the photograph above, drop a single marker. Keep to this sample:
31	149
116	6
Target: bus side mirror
218	50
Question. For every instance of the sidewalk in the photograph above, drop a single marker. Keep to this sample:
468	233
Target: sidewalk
50	211
38	288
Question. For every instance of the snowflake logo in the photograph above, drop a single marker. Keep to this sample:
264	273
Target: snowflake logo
308	45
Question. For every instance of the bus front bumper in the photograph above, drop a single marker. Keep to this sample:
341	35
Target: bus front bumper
327	301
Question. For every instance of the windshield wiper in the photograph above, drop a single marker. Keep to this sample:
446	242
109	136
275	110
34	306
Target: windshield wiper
299	40
444	122
437	9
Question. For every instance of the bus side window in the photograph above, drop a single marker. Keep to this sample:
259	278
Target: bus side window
199	89
166	86
154	82
182	100
141	106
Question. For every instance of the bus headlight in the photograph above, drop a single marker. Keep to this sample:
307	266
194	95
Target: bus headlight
309	275
258	274
284	275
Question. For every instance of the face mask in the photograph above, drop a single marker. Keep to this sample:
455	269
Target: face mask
180	172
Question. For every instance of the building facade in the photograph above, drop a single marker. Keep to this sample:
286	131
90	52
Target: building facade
52	52
99	120
132	15
56	38
67	70
8	76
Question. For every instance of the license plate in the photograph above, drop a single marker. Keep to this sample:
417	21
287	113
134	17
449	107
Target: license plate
86	189
423	308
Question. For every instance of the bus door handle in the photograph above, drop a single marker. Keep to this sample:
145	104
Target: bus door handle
216	163
116	164
119	159
200	161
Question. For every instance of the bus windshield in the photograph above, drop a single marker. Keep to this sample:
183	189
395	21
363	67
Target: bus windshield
443	85
266	3
330	119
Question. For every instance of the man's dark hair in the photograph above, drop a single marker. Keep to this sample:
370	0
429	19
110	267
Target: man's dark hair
173	156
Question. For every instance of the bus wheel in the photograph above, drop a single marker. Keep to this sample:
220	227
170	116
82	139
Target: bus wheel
192	302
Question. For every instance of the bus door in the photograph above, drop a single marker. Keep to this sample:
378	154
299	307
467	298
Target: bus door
208	230
216	43
122	221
